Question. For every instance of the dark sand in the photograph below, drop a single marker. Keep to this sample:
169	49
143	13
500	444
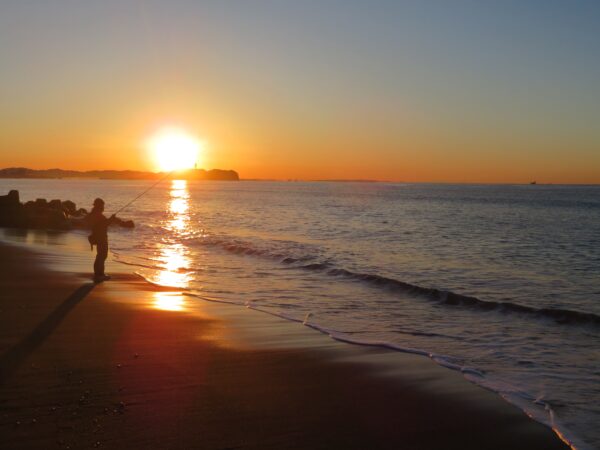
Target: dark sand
105	368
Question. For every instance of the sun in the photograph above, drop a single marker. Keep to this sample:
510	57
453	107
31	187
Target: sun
174	149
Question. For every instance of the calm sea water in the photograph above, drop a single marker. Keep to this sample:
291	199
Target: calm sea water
499	282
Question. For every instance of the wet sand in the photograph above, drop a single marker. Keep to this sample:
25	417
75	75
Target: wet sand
124	364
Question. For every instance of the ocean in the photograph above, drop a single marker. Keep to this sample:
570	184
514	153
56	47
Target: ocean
500	282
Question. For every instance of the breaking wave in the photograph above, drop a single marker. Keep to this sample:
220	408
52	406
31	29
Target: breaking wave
283	252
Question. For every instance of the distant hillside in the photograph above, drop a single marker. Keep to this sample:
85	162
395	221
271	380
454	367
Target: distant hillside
192	174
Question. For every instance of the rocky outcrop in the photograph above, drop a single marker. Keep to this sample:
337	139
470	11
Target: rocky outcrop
42	214
12	213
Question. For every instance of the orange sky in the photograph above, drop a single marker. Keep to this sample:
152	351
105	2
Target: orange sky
257	150
380	95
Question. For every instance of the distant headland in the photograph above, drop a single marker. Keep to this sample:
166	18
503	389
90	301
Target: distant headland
191	174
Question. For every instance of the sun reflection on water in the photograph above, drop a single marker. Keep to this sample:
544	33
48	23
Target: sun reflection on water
173	257
174	264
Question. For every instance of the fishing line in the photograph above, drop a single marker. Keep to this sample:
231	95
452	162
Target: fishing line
159	181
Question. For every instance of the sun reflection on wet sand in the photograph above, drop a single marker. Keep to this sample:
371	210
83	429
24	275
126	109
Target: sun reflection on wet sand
173	257
169	301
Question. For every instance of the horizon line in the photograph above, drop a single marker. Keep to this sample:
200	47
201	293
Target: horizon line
315	180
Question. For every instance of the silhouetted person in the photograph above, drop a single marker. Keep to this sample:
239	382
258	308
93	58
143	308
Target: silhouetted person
99	238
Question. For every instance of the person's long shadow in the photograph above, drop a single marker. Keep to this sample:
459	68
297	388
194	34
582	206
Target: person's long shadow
11	359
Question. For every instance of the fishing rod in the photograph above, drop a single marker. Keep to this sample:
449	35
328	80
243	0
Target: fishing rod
93	240
158	182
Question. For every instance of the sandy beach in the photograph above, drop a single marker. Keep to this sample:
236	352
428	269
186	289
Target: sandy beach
125	364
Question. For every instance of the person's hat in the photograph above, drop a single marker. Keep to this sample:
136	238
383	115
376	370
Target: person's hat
98	202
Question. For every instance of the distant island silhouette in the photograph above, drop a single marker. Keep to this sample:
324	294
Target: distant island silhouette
190	174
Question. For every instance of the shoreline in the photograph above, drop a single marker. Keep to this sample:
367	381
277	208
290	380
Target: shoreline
130	364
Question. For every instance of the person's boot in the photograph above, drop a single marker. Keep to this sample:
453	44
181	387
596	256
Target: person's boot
101	278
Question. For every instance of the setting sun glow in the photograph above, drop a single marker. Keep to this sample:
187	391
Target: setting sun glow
174	149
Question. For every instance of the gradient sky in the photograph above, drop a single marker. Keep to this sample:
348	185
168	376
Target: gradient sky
460	91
